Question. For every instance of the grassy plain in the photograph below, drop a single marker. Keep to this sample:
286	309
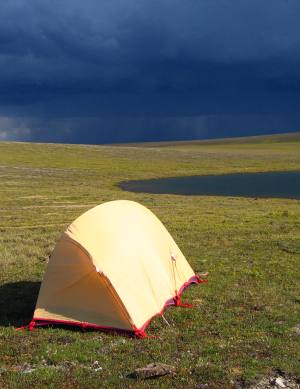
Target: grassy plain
241	326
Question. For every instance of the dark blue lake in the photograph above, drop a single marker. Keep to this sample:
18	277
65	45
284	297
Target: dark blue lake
268	184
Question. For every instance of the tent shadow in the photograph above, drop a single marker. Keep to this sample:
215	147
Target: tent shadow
17	302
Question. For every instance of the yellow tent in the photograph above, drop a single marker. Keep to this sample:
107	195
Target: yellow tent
115	267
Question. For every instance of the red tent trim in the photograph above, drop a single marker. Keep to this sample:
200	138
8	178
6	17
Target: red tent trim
139	332
172	301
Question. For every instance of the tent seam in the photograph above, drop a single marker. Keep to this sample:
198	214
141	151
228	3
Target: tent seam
117	298
114	295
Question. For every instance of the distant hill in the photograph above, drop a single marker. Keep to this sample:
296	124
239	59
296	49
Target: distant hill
277	138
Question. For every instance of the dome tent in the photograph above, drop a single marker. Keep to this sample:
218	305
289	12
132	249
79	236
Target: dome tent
115	267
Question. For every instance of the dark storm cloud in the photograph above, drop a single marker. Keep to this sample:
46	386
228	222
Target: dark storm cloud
140	69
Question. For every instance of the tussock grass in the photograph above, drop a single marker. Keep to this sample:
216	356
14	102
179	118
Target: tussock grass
241	325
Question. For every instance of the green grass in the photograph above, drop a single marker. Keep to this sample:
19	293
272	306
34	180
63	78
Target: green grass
241	325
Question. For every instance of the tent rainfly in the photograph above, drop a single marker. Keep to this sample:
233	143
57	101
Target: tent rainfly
115	267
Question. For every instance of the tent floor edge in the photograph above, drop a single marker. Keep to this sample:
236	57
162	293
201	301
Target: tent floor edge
177	298
38	322
29	326
138	332
173	301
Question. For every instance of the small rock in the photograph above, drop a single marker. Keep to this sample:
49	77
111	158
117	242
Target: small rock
26	368
296	329
278	379
280	383
96	366
153	370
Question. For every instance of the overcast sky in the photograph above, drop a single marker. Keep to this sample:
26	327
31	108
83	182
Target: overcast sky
112	71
